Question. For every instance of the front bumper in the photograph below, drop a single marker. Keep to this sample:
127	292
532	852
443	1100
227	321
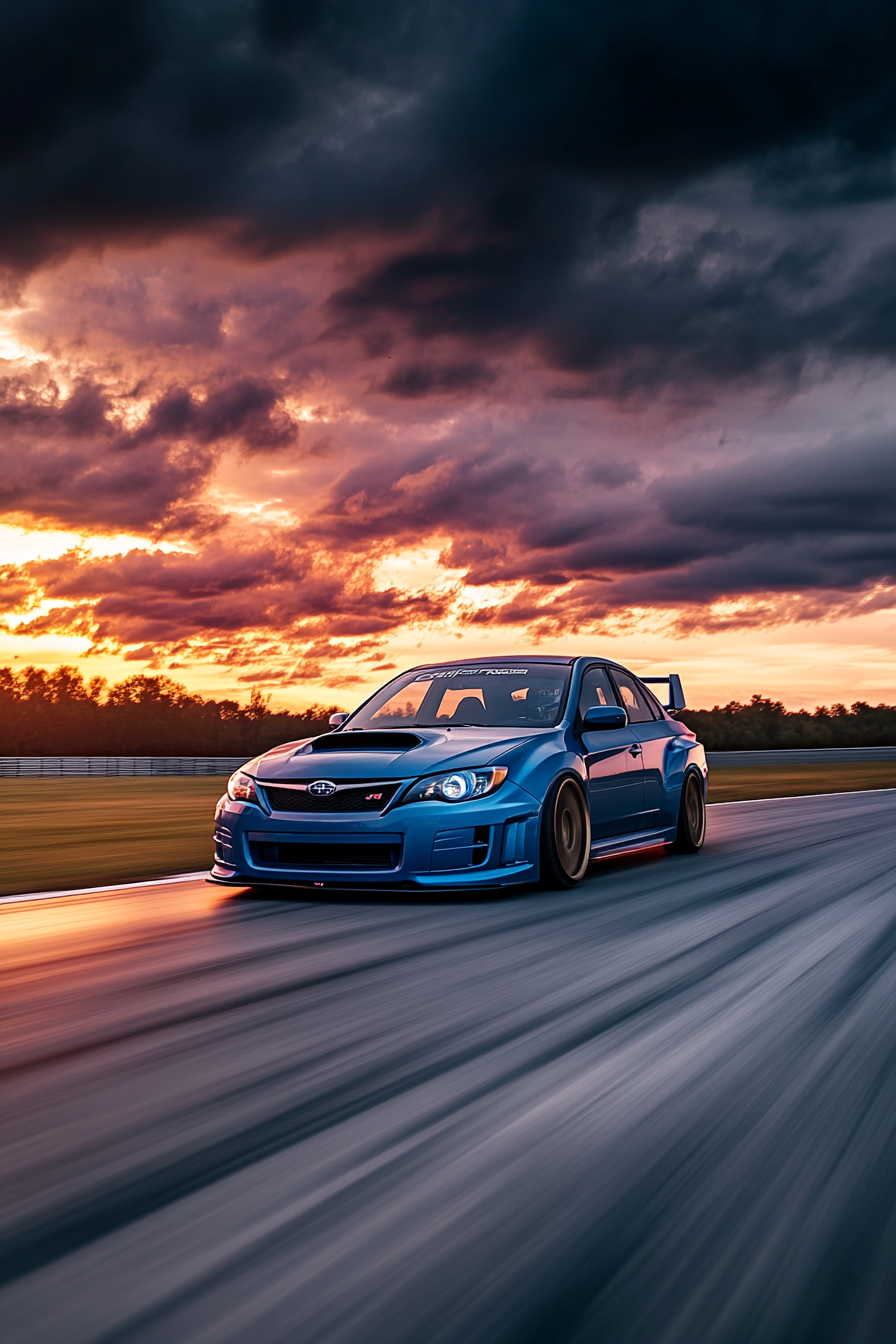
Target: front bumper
491	842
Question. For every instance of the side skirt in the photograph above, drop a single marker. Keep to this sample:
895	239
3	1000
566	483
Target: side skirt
624	844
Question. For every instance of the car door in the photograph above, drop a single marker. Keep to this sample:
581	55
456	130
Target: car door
612	758
651	733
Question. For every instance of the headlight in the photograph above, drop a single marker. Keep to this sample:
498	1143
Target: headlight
241	788
458	786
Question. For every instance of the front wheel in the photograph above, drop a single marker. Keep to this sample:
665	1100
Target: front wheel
691	818
565	836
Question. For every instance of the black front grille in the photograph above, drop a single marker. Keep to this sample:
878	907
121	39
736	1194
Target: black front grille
315	855
358	798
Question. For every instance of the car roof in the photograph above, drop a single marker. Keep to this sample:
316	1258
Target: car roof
565	659
489	661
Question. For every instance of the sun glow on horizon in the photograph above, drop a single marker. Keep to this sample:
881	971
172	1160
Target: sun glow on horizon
20	545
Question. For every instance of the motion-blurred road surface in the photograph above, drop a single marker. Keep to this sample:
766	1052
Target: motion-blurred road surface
658	1108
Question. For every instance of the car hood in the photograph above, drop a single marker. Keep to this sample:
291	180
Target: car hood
388	755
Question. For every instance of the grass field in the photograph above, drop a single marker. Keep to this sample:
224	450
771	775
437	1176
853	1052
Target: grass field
787	781
59	833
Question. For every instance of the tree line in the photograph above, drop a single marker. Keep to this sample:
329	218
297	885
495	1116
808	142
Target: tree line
58	713
765	724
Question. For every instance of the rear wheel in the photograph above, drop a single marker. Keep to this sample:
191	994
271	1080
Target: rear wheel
565	836
691	818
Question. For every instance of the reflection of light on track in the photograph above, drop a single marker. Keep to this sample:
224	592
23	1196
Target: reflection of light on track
77	925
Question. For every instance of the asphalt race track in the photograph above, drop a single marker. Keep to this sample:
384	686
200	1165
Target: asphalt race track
658	1108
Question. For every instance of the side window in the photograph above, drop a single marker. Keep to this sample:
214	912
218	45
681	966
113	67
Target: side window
648	695
596	689
634	698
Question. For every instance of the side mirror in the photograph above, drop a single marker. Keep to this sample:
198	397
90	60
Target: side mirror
604	716
336	720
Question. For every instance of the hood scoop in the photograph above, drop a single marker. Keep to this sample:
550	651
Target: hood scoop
365	741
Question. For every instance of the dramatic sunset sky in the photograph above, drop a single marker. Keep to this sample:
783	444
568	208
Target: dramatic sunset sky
340	336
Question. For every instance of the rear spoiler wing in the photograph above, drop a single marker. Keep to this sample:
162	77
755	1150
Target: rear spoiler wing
674	700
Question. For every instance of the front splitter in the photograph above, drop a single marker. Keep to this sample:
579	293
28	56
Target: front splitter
518	875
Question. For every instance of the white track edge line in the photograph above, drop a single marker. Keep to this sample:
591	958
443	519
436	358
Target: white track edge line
194	877
94	891
788	797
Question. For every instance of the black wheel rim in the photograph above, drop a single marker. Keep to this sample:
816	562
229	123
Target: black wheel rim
569	831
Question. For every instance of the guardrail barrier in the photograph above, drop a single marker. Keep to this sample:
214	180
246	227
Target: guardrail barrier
800	756
98	767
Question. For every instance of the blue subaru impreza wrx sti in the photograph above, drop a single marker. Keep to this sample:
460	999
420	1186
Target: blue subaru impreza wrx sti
478	773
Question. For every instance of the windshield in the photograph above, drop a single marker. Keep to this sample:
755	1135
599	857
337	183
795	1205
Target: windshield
490	697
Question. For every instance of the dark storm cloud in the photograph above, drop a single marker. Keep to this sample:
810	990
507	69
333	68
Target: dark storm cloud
244	410
418	380
719	308
70	460
64	461
846	487
526	134
178	106
382	501
824	517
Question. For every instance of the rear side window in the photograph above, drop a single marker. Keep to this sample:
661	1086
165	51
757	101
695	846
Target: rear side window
596	689
634	697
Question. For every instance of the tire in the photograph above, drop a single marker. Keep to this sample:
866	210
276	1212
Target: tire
565	836
691	818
